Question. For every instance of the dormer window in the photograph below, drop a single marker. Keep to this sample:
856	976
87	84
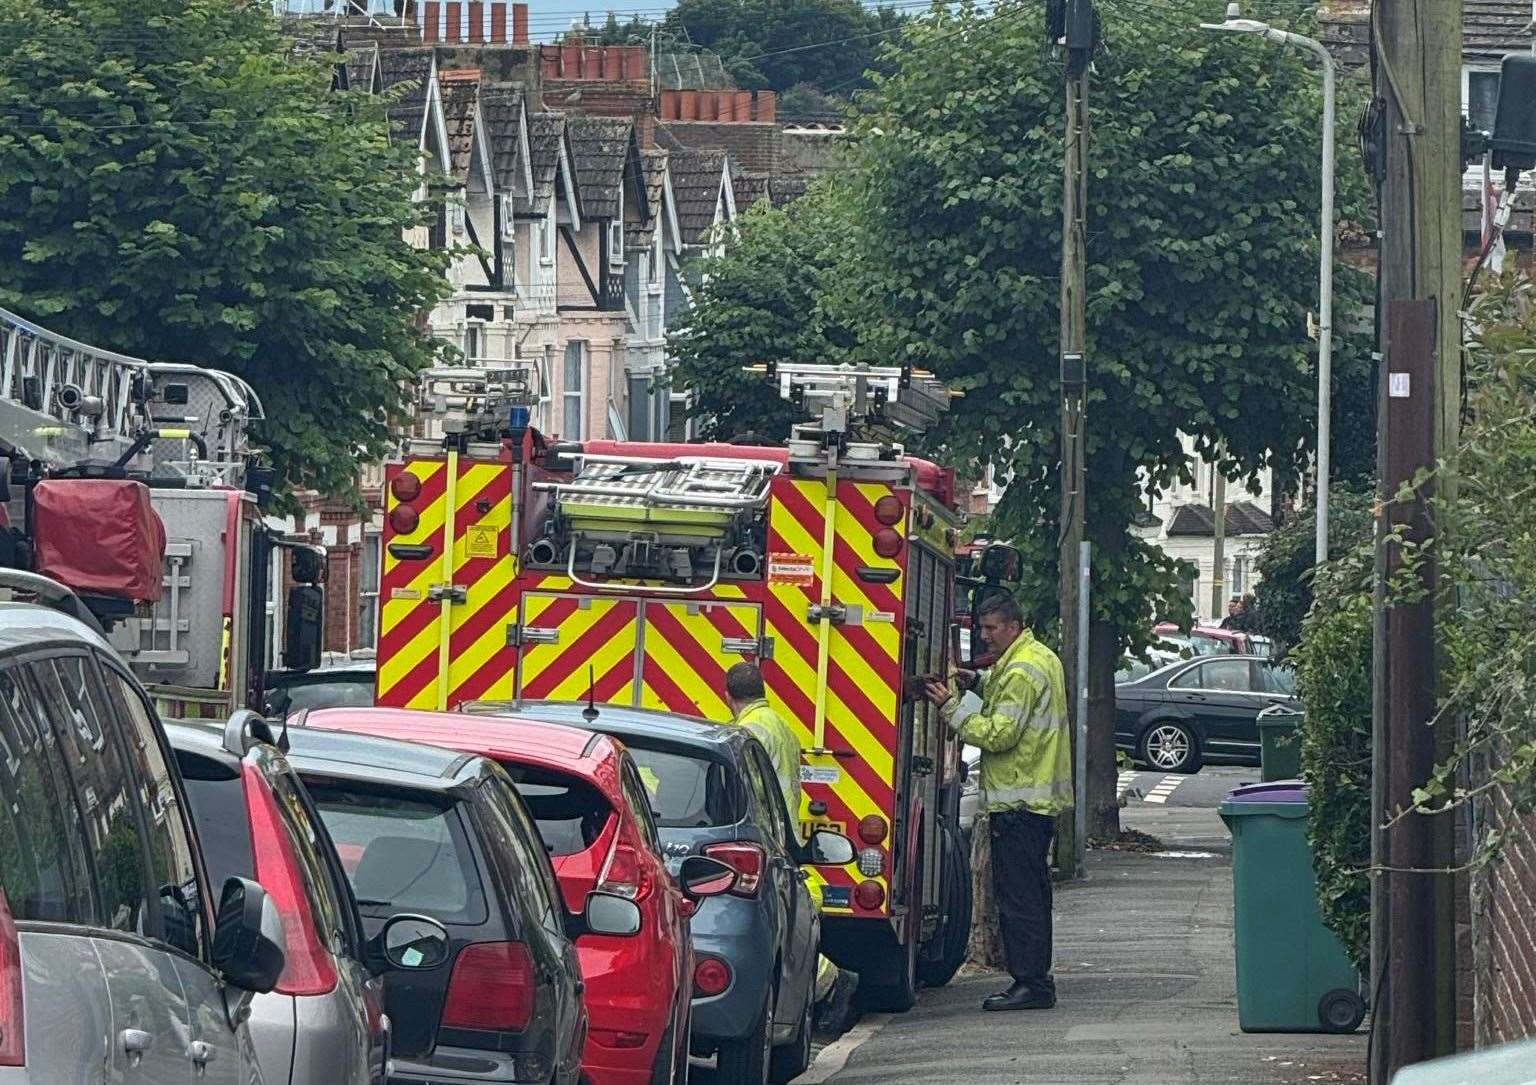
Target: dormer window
508	218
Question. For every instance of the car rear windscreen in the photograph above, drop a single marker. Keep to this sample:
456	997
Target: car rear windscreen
403	853
687	791
569	812
342	693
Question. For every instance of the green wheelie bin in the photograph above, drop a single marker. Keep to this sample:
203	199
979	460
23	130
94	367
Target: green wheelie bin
1280	742
1292	972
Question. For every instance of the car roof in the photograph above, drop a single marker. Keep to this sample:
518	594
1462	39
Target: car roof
572	749
202	737
27	625
626	723
385	761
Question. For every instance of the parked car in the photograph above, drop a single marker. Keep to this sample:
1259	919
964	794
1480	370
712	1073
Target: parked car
1207	708
594	816
324	1023
714	793
336	685
443	833
132	956
1210	640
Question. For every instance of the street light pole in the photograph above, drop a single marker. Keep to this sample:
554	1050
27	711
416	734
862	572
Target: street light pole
1236	23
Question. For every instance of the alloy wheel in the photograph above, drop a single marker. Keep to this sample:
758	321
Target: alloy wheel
1168	746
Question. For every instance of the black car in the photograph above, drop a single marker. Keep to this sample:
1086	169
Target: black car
444	834
1178	717
347	685
714	793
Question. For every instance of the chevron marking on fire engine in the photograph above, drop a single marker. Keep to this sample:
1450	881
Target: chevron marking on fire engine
405	610
597	639
684	663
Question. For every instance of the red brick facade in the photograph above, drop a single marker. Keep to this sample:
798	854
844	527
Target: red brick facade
1500	938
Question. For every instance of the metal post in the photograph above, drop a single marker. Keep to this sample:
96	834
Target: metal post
1080	762
1324	302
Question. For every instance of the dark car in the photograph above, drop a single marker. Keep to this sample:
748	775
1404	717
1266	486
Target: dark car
325	1020
444	834
714	793
345	685
1181	715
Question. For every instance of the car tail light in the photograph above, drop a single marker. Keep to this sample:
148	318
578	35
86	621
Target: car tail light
872	829
13	1029
307	965
869	895
888	510
711	976
492	988
403	519
747	860
887	542
624	875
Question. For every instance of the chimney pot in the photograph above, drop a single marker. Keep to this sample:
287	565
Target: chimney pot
432	21
767	105
743	106
592	62
613	64
570	62
476	20
688	105
498	33
453	31
520	24
725	105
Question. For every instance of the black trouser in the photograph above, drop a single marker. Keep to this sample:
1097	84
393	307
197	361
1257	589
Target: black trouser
1021	873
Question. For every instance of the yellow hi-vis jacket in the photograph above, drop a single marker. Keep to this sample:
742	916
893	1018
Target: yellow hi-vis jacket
1020	725
782	746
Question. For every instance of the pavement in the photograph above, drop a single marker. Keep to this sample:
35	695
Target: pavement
1145	979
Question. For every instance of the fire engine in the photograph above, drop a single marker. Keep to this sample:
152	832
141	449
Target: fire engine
134	484
520	568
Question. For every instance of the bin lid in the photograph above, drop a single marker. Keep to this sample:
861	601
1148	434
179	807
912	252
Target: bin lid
1282	798
1508	1064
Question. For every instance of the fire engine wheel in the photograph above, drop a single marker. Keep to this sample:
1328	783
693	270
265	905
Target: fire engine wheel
944	953
901	996
745	1061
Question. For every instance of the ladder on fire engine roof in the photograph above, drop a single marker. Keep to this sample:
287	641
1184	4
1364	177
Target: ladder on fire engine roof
65	403
845	397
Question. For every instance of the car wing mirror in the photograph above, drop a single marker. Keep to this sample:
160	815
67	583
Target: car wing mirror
248	937
408	943
606	913
827	848
700	876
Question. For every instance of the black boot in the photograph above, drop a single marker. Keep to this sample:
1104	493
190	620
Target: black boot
1021	996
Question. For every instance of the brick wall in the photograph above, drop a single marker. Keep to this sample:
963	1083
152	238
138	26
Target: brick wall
1502	935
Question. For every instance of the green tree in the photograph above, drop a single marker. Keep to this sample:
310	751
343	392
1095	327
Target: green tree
178	182
779	43
1202	250
760	302
1285	562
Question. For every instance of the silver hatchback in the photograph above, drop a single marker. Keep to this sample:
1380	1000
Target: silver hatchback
118	963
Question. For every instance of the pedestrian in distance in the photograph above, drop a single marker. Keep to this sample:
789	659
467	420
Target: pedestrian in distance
1234	618
1018	720
747	699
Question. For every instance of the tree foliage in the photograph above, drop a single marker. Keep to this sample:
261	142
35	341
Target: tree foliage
180	183
759	302
1284	563
779	43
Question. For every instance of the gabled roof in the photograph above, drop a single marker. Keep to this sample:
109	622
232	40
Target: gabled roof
548	152
504	110
697	177
1492	28
362	67
413	67
461	99
640	235
1243	518
749	188
605	155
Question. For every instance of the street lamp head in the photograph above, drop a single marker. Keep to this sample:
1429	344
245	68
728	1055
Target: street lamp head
1235	23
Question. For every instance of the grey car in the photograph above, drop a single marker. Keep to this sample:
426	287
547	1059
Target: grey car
325	1023
714	793
119	961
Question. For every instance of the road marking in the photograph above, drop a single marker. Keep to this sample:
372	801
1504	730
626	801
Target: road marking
1163	790
831	1059
1124	782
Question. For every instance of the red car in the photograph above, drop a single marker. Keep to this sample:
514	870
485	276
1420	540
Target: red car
592	809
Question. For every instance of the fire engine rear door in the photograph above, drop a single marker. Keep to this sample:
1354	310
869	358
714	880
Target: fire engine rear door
686	646
569	641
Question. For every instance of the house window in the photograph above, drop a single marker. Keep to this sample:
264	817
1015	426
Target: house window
543	419
653	265
456	217
508	219
474	343
1482	97
575	391
547	238
368	589
615	243
680	427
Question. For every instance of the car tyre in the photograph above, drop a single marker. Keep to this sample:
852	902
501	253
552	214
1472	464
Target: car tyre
745	1061
664	1065
942	956
791	1060
1170	746
901	996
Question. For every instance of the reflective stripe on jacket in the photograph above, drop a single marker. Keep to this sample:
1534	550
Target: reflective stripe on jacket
1020	725
783	750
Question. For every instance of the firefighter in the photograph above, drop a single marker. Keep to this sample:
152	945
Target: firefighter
748	701
1019	721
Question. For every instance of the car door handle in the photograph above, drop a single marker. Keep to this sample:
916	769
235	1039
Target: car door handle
201	1051
135	1041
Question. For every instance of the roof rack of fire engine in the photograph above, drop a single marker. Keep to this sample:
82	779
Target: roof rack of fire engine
64	403
847	398
476	401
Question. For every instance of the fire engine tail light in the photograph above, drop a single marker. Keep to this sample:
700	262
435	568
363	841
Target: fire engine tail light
711	976
887	542
872	829
869	895
888	510
403	519
871	862
405	486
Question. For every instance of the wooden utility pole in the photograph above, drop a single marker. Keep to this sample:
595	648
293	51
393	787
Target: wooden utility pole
1418	86
1074	334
